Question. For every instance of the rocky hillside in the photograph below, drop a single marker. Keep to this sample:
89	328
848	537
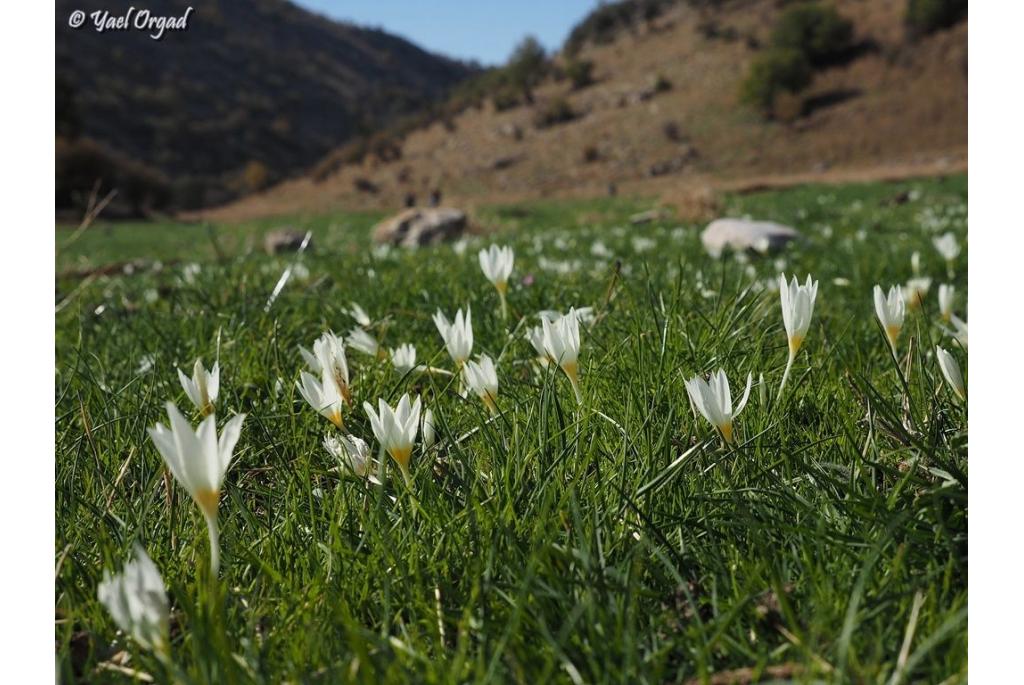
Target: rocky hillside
252	92
663	116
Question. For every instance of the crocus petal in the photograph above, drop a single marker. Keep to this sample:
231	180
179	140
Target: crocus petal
207	462
187	445
168	449
213	382
228	437
746	396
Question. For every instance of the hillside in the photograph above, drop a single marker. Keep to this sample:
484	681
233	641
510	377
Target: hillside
252	92
895	107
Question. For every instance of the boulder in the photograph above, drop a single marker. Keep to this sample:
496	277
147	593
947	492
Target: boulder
421	226
745	234
284	240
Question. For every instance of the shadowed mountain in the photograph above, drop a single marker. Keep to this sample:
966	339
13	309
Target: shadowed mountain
254	91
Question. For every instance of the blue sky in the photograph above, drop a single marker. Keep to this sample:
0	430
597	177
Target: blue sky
484	30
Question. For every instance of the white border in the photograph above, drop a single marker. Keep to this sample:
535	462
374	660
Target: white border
996	114
27	507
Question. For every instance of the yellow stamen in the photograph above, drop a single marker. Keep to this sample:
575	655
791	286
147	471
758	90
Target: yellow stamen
208	500
892	331
571	370
726	429
401	455
794	344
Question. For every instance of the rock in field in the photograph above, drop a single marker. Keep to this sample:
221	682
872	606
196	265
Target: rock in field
284	240
744	234
421	226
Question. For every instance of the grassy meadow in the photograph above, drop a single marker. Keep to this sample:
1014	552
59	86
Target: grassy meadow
615	540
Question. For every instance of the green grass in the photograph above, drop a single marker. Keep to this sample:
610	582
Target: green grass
556	543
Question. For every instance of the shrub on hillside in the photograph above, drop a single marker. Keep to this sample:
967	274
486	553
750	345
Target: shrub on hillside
506	98
580	73
385	146
712	30
672	131
255	176
661	84
820	33
773	72
557	111
927	16
365	185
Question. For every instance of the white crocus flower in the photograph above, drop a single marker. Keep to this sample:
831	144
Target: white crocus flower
137	601
359	339
429	429
797	310
457	335
948	247
359	314
951	372
323	395
395	429
562	345
352	452
482	379
536	337
496	263
915	291
714	401
585	315
198	460
329	352
403	358
946	295
890	311
203	387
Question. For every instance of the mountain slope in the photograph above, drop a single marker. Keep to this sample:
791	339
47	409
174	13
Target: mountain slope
251	92
896	107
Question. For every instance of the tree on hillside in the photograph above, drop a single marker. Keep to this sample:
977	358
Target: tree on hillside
527	67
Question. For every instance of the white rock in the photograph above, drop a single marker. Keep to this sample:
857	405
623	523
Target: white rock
744	234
